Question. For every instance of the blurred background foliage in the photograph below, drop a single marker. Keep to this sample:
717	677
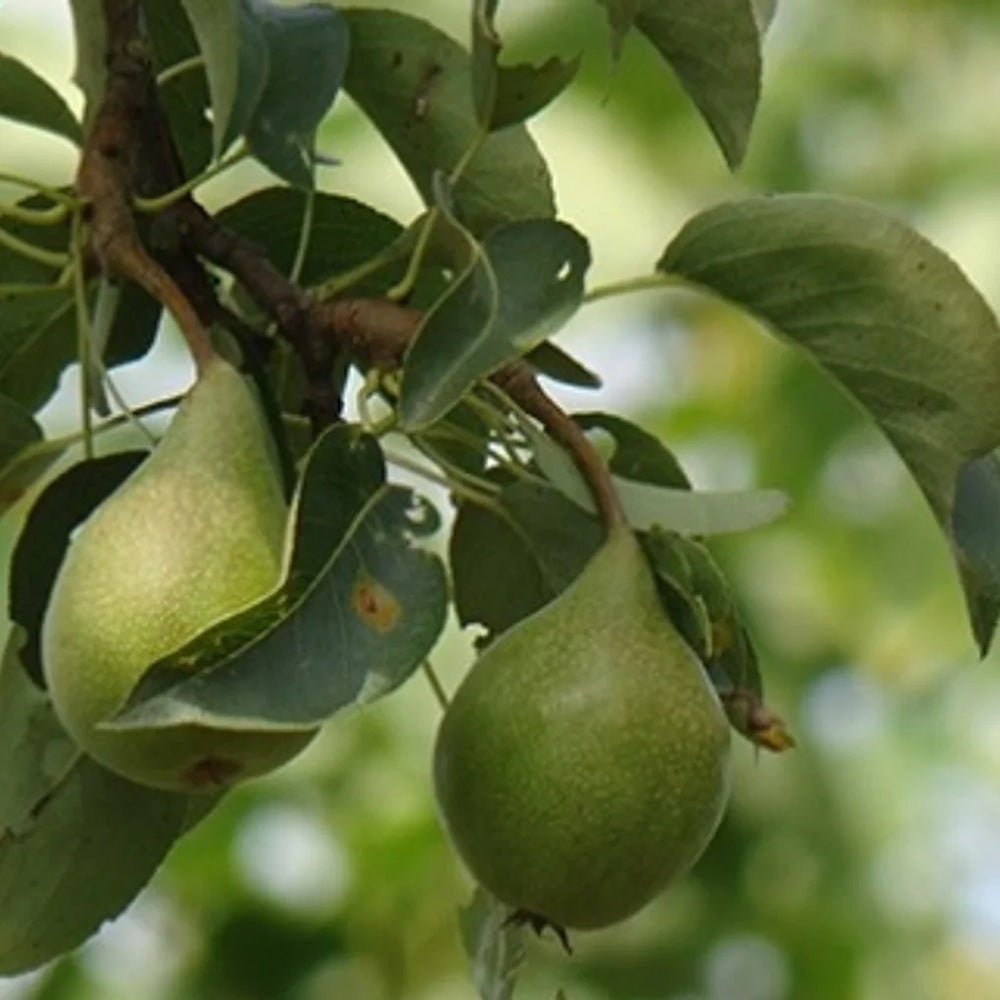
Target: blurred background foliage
866	864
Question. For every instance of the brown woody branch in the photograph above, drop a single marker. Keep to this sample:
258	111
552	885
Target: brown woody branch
108	167
279	297
129	149
379	331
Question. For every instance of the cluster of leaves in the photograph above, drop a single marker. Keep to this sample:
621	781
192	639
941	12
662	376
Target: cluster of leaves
885	314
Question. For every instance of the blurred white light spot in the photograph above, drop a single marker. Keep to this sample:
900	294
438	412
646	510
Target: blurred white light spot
862	479
961	810
845	711
291	859
719	462
147	945
908	880
20	987
748	967
643	363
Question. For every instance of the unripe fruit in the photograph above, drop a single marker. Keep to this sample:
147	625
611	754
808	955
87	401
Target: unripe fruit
582	765
193	536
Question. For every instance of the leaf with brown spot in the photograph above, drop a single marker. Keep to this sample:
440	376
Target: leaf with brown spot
375	605
359	610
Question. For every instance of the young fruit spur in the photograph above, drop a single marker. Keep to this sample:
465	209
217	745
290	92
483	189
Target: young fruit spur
193	536
583	762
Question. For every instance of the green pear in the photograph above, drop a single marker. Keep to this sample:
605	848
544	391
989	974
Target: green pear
583	762
193	536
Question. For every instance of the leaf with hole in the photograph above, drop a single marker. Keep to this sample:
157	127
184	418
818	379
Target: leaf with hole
509	95
525	281
360	608
414	83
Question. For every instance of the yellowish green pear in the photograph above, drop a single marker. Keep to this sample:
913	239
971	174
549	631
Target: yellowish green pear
194	535
583	763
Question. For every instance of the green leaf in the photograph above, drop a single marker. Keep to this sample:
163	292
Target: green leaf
495	948
552	361
25	468
24	454
35	751
237	64
18	430
185	98
27	98
38	336
510	561
509	95
884	313
307	51
526	280
217	27
703	606
89	44
683	510
621	18
765	10
345	233
359	611
714	48
77	843
974	526
15	268
637	453
65	503
460	439
38	340
413	82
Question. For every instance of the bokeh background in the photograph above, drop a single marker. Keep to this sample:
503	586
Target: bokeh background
866	864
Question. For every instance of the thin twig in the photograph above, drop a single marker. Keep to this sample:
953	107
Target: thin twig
436	686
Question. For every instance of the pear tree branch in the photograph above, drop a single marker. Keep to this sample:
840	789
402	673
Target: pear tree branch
129	152
379	331
105	178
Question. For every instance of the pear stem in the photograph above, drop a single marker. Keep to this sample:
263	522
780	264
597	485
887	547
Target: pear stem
519	382
380	331
437	687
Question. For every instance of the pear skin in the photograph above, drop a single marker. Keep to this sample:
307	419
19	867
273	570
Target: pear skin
193	536
582	765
